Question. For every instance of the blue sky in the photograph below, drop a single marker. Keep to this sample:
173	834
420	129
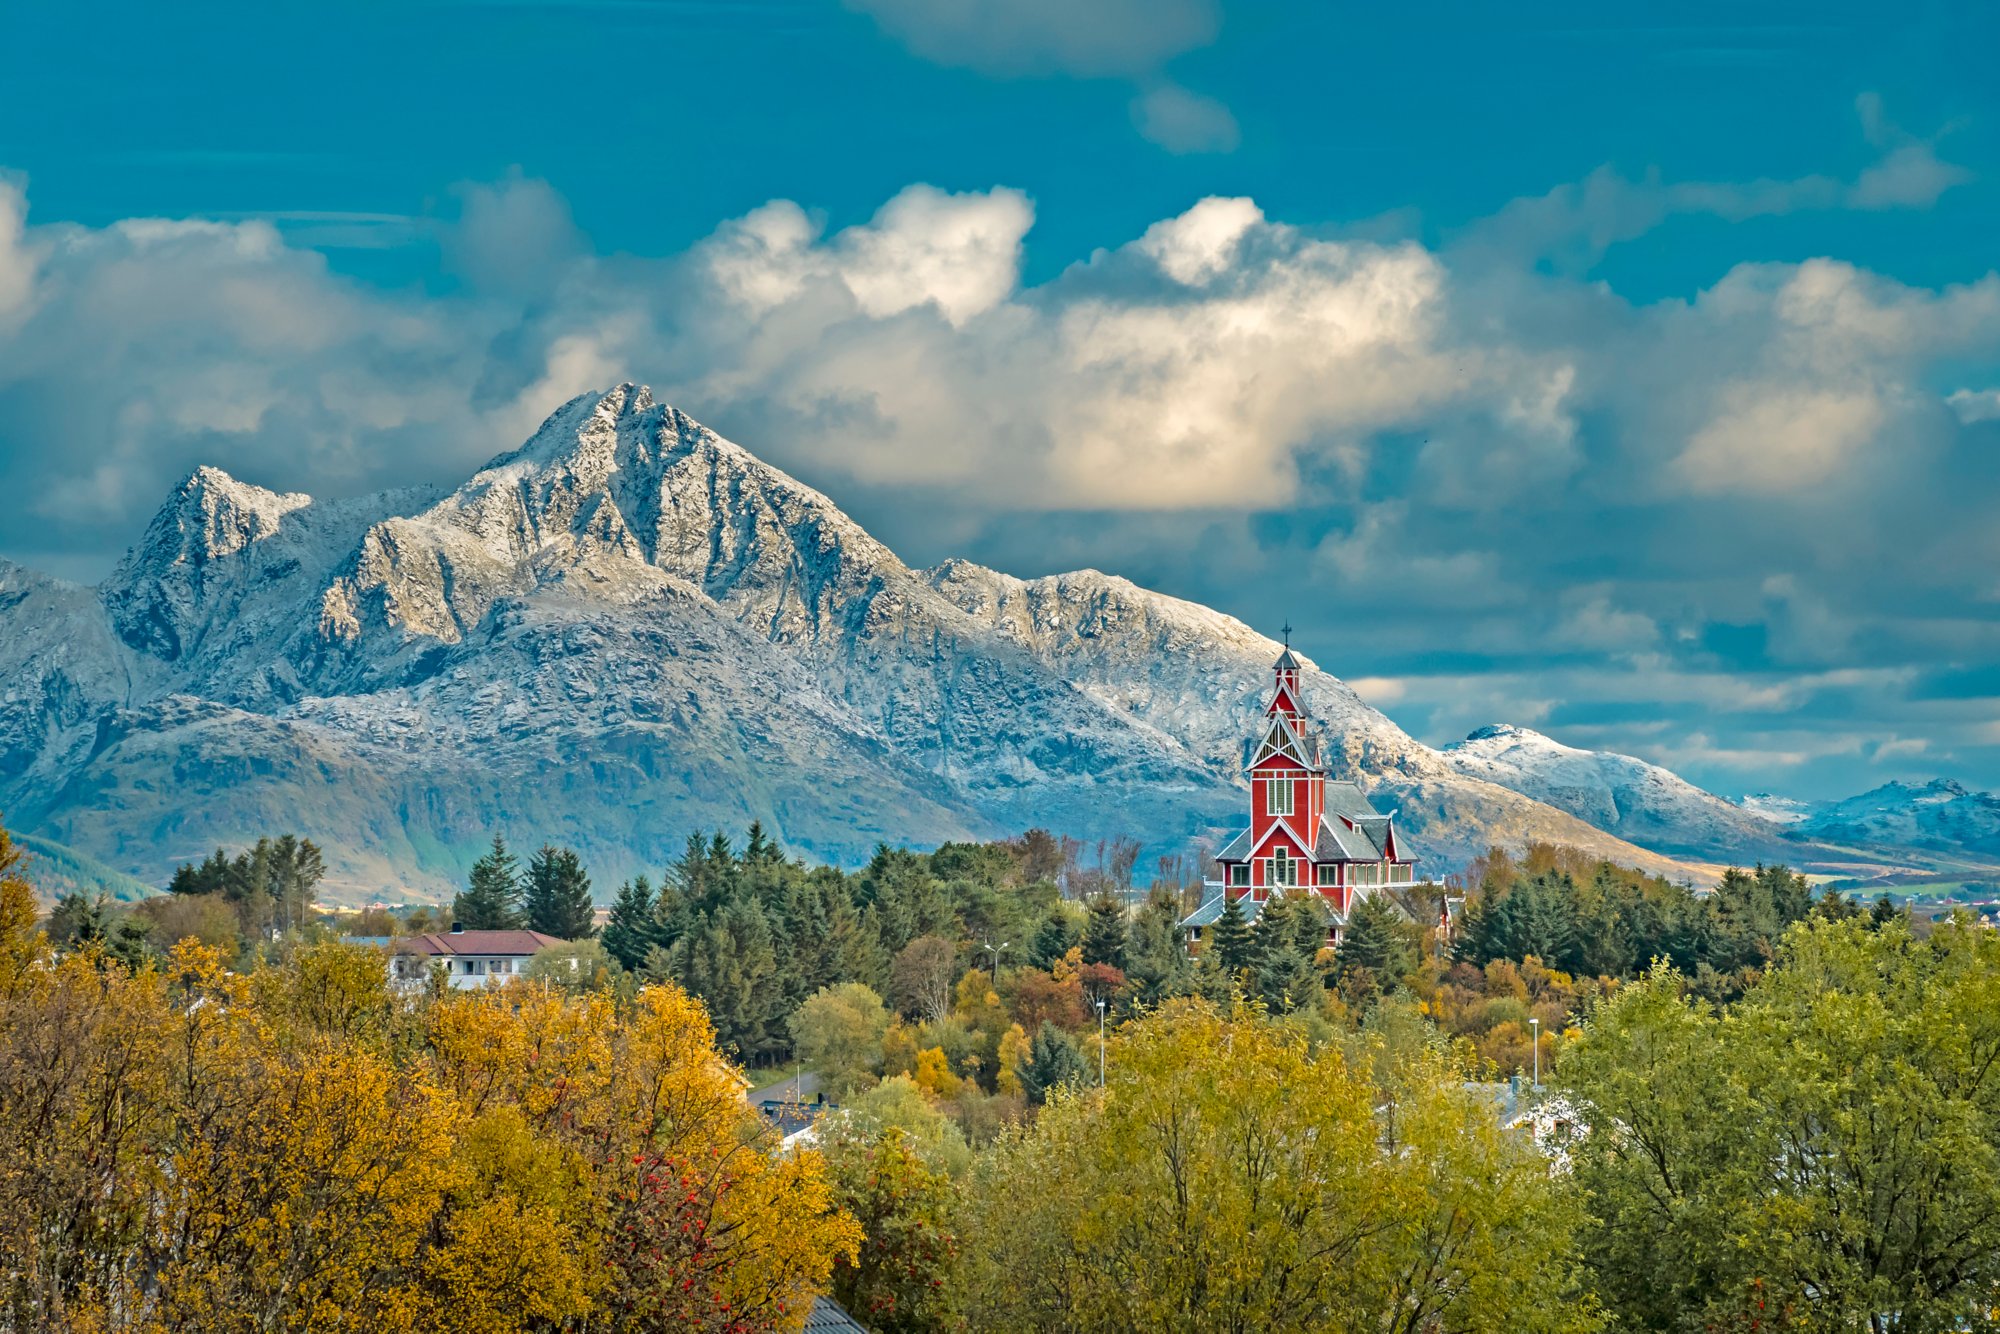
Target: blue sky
1629	372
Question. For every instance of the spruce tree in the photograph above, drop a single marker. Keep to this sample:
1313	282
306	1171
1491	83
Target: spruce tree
629	933
1158	965
1286	944
1376	944
1229	938
1104	932
491	900
1052	940
1053	1060
558	895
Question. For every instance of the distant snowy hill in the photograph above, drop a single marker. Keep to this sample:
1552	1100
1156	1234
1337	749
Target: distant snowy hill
1620	794
630	628
1940	816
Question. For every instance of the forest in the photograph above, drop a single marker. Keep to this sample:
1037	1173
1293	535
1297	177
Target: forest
1767	1108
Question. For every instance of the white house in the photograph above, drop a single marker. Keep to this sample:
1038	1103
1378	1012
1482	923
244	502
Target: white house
471	958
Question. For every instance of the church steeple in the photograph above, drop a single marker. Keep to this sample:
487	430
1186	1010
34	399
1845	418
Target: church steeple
1307	832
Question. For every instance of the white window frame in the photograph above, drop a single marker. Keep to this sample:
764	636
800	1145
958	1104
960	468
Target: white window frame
1328	873
1272	804
1284	868
1239	875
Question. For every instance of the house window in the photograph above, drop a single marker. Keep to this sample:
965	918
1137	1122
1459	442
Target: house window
1239	874
1278	797
1329	873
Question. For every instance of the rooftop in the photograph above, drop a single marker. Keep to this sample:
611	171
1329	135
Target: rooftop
435	943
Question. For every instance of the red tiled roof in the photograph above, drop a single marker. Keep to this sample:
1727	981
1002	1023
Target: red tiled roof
478	942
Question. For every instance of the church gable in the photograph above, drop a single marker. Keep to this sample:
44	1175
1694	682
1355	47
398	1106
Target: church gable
1282	742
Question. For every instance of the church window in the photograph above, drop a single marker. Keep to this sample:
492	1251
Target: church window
1278	798
1239	874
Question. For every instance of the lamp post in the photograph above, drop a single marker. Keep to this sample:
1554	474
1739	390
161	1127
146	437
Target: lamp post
994	950
1535	1026
1100	1044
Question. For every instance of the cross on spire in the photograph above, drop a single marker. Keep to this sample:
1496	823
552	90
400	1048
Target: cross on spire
1288	632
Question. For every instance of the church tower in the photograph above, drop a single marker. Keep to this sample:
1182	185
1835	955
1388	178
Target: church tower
1307	833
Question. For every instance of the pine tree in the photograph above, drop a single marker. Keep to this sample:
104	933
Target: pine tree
558	895
491	900
628	933
1229	938
1104	932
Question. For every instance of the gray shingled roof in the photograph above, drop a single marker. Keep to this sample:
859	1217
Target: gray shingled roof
1211	911
1346	798
1339	843
1236	849
826	1317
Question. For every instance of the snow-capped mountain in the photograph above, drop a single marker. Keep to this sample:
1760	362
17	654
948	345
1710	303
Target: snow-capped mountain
1620	794
625	630
1940	815
1777	809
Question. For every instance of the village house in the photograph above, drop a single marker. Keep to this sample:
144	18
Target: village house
472	959
1306	832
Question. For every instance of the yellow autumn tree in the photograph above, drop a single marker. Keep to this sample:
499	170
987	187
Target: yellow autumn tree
183	1148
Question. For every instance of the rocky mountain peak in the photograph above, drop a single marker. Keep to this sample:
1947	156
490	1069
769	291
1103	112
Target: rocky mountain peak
1502	732
158	594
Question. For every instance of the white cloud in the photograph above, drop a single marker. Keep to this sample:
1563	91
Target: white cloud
1202	242
1975	405
960	253
1772	439
1710	502
1184	122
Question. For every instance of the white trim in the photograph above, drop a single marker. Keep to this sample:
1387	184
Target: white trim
1278	823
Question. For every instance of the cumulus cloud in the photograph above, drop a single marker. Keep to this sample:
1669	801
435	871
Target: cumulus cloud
1485	486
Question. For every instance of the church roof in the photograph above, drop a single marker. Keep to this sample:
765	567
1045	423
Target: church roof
1338	843
1288	661
1210	912
1346	798
1236	849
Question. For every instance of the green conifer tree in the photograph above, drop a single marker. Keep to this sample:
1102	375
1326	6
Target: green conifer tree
1376	945
1104	932
1229	938
1052	939
1054	1060
629	932
491	900
557	895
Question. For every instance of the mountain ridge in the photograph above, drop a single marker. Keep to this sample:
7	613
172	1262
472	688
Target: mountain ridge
625	629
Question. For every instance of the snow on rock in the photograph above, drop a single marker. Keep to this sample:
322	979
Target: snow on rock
1940	815
1620	794
630	628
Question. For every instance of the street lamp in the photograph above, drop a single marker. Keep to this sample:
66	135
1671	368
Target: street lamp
994	950
1535	1025
1100	1044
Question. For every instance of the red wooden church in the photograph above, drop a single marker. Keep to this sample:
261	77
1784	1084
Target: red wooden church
1305	833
